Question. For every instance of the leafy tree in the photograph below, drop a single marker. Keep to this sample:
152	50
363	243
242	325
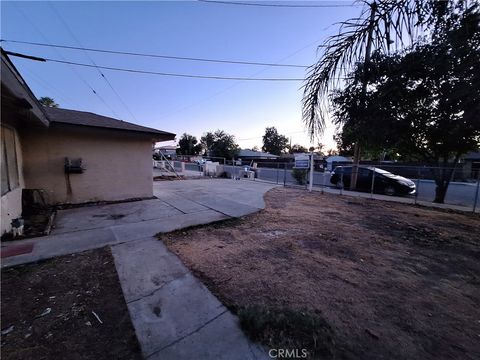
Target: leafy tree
255	148
273	142
381	26
423	104
332	152
294	149
48	102
219	144
188	145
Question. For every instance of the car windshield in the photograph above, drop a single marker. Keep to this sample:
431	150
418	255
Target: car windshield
384	172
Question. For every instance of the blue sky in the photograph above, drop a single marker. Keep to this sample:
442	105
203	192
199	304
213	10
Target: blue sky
179	28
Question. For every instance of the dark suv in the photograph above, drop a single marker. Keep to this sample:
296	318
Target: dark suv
384	183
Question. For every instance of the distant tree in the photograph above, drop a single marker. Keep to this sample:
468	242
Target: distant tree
320	149
48	102
188	145
332	152
219	144
294	149
255	148
422	105
273	142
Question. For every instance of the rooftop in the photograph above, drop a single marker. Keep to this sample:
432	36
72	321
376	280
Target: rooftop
83	118
255	154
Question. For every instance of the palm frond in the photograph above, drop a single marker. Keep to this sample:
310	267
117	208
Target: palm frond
395	22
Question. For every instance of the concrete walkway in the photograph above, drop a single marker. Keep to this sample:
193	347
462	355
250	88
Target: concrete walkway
174	315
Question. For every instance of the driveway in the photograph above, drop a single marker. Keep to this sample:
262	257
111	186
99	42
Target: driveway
179	204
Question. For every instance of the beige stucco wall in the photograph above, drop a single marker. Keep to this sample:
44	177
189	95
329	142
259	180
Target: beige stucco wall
11	202
118	164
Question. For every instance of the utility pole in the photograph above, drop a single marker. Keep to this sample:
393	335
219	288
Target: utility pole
357	150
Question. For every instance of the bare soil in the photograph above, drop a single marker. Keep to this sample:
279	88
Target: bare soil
394	281
47	310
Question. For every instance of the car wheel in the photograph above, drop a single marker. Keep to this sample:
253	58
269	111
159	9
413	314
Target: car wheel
389	190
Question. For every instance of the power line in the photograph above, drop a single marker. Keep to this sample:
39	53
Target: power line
156	55
278	5
93	62
48	86
237	83
153	72
60	54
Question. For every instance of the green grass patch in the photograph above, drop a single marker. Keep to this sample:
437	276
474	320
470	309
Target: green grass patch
282	328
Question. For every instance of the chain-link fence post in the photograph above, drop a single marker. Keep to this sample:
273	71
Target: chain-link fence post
278	170
284	174
373	183
341	182
324	181
418	186
234	175
476	193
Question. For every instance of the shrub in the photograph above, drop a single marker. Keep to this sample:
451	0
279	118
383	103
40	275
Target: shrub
300	175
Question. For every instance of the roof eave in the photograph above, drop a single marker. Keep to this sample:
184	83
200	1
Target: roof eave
14	82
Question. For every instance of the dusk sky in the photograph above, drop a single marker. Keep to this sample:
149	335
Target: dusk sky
176	28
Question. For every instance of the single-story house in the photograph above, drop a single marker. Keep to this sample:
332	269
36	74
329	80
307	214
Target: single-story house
247	155
73	156
169	151
336	160
471	165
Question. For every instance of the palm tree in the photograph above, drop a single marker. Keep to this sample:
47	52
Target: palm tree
382	25
48	102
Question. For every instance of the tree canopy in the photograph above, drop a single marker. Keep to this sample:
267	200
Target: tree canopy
188	145
219	144
295	149
48	102
383	25
422	104
273	142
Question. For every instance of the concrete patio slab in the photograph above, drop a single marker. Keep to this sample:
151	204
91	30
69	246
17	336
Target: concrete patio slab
182	203
130	232
93	217
230	197
62	244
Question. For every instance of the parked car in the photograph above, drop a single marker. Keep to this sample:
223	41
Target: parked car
384	183
200	161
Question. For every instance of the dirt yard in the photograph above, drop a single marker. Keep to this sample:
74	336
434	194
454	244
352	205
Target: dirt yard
48	310
394	281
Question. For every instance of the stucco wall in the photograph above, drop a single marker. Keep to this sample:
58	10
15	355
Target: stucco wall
118	164
11	202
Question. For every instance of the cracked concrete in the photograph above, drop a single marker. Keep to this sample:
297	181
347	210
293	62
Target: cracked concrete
175	316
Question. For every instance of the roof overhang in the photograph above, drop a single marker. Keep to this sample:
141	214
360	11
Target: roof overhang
15	91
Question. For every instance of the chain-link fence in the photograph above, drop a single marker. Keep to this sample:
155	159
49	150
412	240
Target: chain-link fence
410	184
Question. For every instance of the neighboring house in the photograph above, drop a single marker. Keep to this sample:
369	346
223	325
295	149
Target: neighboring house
169	151
471	165
333	161
74	156
247	155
